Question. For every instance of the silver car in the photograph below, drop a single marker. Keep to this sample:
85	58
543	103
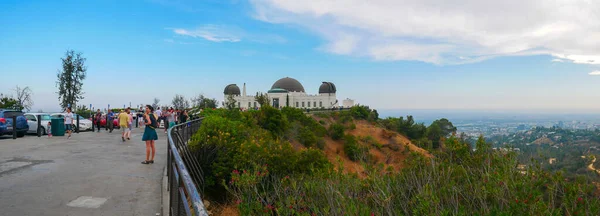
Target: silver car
84	124
32	121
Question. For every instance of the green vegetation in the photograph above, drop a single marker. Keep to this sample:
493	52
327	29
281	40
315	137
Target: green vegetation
247	161
69	79
9	103
425	137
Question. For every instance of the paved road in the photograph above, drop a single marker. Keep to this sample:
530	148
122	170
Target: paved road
89	174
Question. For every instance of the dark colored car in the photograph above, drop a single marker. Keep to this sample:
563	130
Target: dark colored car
6	122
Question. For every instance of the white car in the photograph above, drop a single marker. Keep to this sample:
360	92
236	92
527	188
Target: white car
84	124
32	121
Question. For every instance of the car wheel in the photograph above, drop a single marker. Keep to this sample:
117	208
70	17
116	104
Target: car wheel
44	131
20	134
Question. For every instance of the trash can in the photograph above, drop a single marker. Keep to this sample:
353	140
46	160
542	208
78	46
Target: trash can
58	127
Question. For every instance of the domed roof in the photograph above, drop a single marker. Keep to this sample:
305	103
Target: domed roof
327	87
232	89
289	84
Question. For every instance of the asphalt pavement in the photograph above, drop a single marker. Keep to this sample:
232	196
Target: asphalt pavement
90	174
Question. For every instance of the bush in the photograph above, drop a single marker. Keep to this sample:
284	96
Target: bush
307	137
336	131
321	144
353	150
352	126
322	122
369	140
360	112
273	120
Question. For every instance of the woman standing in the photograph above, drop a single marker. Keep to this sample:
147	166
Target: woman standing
129	125
150	135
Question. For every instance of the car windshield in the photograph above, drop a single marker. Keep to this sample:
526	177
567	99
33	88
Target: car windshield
46	117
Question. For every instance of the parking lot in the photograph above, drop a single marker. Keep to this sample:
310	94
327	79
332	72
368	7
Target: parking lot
90	174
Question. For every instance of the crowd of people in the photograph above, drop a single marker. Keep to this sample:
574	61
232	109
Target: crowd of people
147	117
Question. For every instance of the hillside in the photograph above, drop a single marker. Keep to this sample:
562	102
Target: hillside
392	152
285	162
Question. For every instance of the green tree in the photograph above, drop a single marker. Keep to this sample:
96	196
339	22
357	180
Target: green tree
287	100
262	99
179	102
83	111
435	134
70	79
203	102
446	126
230	103
9	103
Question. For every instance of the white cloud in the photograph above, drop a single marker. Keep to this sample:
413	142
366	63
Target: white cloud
446	32
594	73
558	60
214	33
222	33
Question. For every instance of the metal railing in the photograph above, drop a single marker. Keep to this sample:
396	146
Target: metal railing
184	172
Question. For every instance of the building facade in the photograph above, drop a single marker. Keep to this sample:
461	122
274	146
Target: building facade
287	92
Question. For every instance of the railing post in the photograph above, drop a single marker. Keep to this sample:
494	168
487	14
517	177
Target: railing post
39	125
14	126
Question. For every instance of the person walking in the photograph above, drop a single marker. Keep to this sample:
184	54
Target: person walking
171	118
130	125
98	119
123	120
184	116
69	122
109	121
150	135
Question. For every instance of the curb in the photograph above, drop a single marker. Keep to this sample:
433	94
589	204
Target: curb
165	193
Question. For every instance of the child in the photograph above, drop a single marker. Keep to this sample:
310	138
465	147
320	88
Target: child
49	129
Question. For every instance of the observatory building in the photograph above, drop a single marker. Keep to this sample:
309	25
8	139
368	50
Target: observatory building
288	92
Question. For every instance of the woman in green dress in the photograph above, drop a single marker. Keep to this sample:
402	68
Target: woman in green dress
150	135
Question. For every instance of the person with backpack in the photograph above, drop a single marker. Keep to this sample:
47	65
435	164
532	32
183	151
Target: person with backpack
150	135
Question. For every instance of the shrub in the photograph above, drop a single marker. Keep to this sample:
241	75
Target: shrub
352	149
273	120
307	137
336	131
369	140
322	122
321	144
352	126
360	112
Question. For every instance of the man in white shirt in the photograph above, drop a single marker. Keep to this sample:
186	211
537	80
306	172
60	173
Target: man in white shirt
69	122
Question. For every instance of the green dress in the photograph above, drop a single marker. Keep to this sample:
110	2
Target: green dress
149	131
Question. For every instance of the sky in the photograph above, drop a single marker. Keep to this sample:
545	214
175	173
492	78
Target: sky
388	54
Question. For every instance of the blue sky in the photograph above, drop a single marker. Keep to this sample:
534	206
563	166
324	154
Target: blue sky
386	54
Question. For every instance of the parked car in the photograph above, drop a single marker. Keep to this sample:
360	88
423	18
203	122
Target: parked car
6	122
103	121
32	121
84	124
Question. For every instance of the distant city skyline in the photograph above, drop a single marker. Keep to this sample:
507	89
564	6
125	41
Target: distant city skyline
409	55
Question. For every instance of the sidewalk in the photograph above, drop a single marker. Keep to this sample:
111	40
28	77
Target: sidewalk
89	174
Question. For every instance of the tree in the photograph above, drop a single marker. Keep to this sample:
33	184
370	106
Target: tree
83	111
203	102
155	103
23	98
435	134
8	103
179	102
446	126
70	79
287	100
262	99
230	103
